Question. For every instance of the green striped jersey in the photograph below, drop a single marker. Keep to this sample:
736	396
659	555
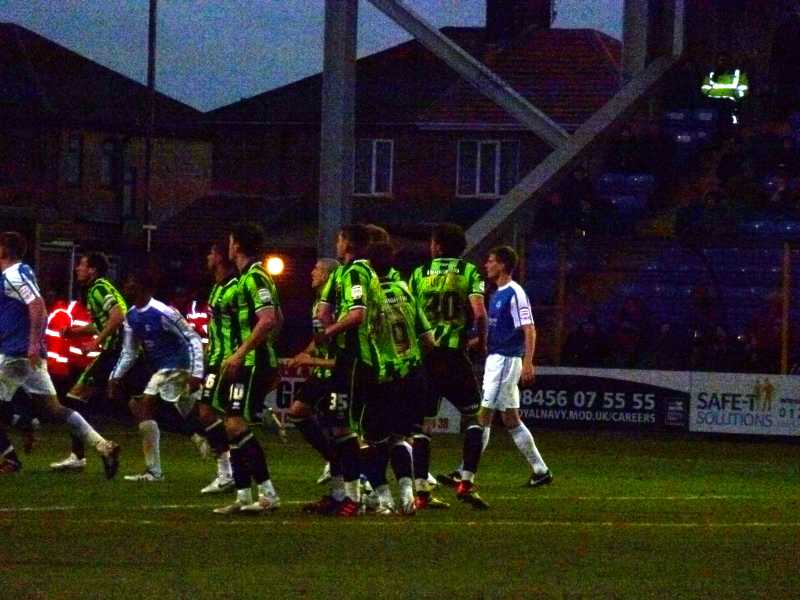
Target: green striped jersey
403	324
223	326
351	286
443	287
101	298
320	350
256	292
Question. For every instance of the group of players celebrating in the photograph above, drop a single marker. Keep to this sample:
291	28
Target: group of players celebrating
383	353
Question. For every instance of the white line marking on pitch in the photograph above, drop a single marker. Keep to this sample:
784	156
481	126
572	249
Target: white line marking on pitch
266	521
156	507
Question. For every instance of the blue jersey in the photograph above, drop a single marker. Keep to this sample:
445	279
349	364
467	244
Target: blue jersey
167	339
509	310
19	289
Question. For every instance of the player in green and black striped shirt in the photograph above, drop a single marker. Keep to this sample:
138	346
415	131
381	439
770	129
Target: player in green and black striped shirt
223	339
252	369
403	389
350	314
108	308
450	290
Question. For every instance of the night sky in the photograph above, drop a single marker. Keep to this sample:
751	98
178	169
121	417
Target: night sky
213	52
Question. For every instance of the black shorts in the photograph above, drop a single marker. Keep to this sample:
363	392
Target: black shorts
353	383
450	375
215	389
99	370
314	391
397	407
242	396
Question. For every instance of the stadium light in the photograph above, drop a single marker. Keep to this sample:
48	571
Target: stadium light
275	265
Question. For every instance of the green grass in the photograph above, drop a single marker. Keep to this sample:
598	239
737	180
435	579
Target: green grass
626	517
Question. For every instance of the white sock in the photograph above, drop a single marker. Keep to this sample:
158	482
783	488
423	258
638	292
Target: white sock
337	488
266	488
81	429
352	489
406	488
467	476
151	446
244	496
524	440
224	468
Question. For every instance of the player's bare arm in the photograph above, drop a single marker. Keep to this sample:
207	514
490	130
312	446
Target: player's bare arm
528	371
353	320
38	317
478	343
268	321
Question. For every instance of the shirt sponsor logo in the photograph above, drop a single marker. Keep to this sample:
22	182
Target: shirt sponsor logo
357	292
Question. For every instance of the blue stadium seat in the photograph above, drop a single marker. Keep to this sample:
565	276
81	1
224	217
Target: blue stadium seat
611	183
640	183
705	117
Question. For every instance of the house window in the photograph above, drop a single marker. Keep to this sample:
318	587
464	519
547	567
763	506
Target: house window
108	164
128	197
73	159
373	167
487	168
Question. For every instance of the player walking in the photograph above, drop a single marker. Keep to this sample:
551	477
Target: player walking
511	345
450	291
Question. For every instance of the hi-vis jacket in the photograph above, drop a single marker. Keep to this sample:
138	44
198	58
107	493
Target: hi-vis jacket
730	85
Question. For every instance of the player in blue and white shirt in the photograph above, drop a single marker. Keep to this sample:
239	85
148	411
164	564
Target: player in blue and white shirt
173	349
23	318
509	361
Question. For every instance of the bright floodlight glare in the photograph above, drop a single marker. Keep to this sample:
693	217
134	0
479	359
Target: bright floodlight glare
274	265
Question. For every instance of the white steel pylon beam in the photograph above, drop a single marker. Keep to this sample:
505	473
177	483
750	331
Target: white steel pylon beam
474	71
338	121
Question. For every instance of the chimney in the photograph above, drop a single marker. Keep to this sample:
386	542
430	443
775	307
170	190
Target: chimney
506	19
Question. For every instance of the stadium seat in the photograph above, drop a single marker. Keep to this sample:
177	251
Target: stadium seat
611	183
640	183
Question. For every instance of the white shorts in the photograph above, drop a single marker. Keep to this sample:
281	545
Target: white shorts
16	372
170	384
500	382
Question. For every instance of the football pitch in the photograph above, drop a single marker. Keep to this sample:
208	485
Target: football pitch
626	517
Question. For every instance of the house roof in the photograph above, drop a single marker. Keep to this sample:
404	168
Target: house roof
567	73
43	81
391	86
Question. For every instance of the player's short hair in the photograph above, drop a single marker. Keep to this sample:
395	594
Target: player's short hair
357	237
507	256
14	242
381	257
451	239
221	248
144	277
97	261
250	237
377	233
328	264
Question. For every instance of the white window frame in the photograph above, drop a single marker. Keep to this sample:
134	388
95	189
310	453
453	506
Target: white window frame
373	169
497	167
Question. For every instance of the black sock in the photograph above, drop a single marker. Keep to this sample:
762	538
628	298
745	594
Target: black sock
6	449
348	450
241	472
78	447
422	455
336	462
473	445
215	434
313	434
256	460
375	460
401	461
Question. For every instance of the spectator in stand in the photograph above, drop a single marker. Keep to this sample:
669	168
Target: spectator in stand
668	352
786	159
553	216
733	160
579	198
632	335
587	346
625	156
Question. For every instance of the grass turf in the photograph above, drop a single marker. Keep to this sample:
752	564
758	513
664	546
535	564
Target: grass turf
627	517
